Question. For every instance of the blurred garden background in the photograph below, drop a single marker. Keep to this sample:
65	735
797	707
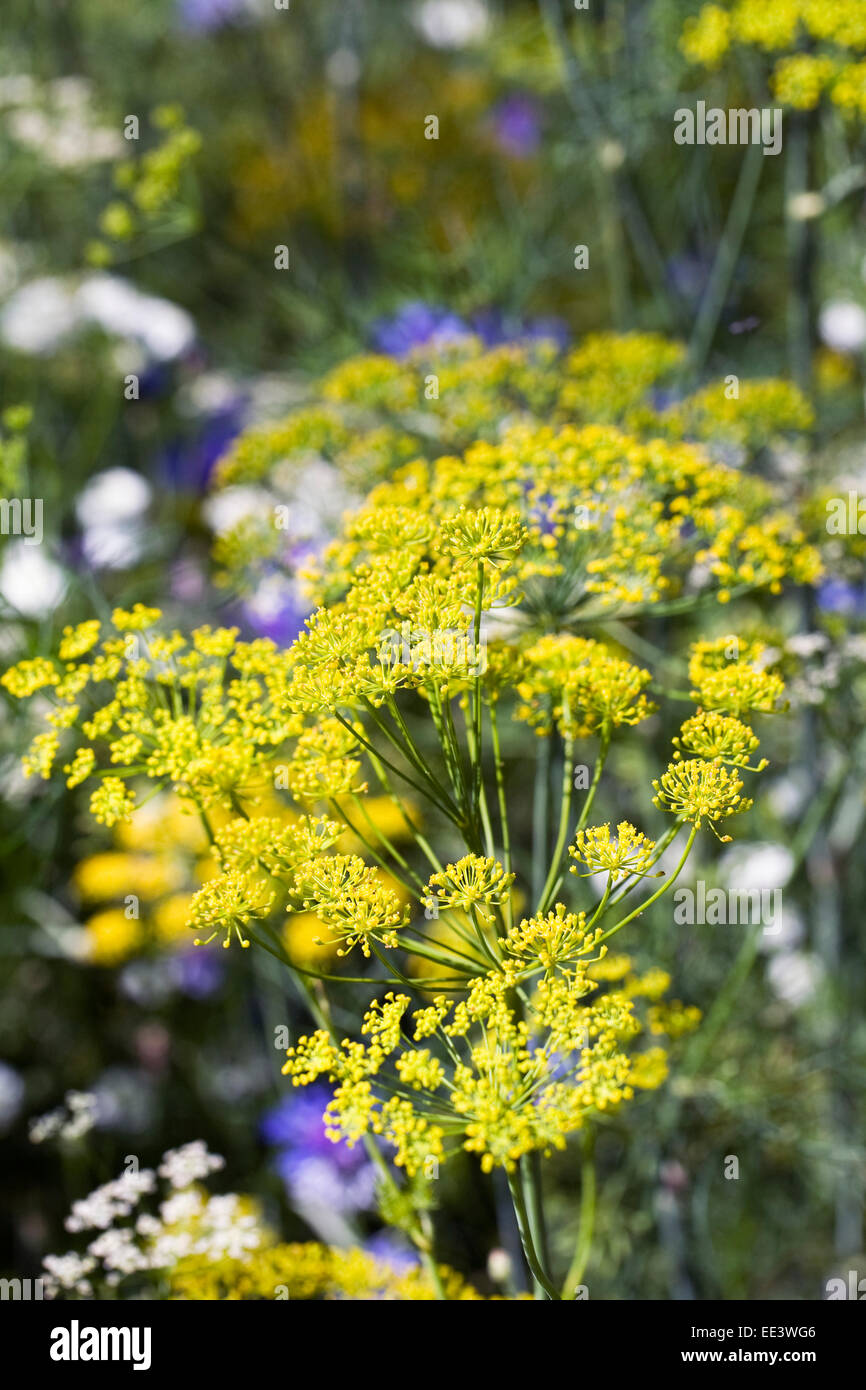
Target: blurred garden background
208	206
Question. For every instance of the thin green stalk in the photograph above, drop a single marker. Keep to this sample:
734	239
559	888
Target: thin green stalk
523	1225
726	257
531	1179
411	750
500	786
604	746
428	952
802	238
668	884
480	805
476	689
583	1249
420	840
539	815
453	763
365	742
564	816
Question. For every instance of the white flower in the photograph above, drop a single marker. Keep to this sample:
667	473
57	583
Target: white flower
94	1212
148	1226
118	1252
82	1119
38	316
183	1206
101	1207
761	865
169	1247
794	976
163	329
186	1165
68	1272
114	547
499	1265
806	644
116	494
805	207
29	581
452	23
223	510
209	392
46	1126
227	1230
67	139
17	89
788	795
42	314
784	934
343	68
842	325
132	1185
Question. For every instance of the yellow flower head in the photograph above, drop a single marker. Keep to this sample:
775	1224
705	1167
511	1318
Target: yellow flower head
698	790
472	884
629	852
718	737
351	900
227	903
484	534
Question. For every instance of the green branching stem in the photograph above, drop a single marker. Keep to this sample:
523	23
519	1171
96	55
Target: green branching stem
666	886
586	1228
533	1258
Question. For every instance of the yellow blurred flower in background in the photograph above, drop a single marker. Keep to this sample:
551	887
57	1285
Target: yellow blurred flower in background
112	937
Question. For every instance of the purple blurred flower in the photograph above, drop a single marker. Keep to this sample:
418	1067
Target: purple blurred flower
314	1182
516	125
276	610
391	1250
837	596
296	1121
187	464
547	327
317	1172
688	274
493	328
415	325
203	15
198	972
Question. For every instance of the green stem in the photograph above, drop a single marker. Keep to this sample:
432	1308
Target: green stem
539	816
726	257
500	786
523	1226
564	814
596	778
583	1249
530	1177
668	884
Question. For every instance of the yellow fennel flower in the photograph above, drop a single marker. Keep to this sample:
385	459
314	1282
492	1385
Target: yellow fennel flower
629	852
698	790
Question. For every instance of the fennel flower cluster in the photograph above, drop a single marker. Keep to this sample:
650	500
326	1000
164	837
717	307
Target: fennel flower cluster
521	1044
356	782
624	502
815	47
